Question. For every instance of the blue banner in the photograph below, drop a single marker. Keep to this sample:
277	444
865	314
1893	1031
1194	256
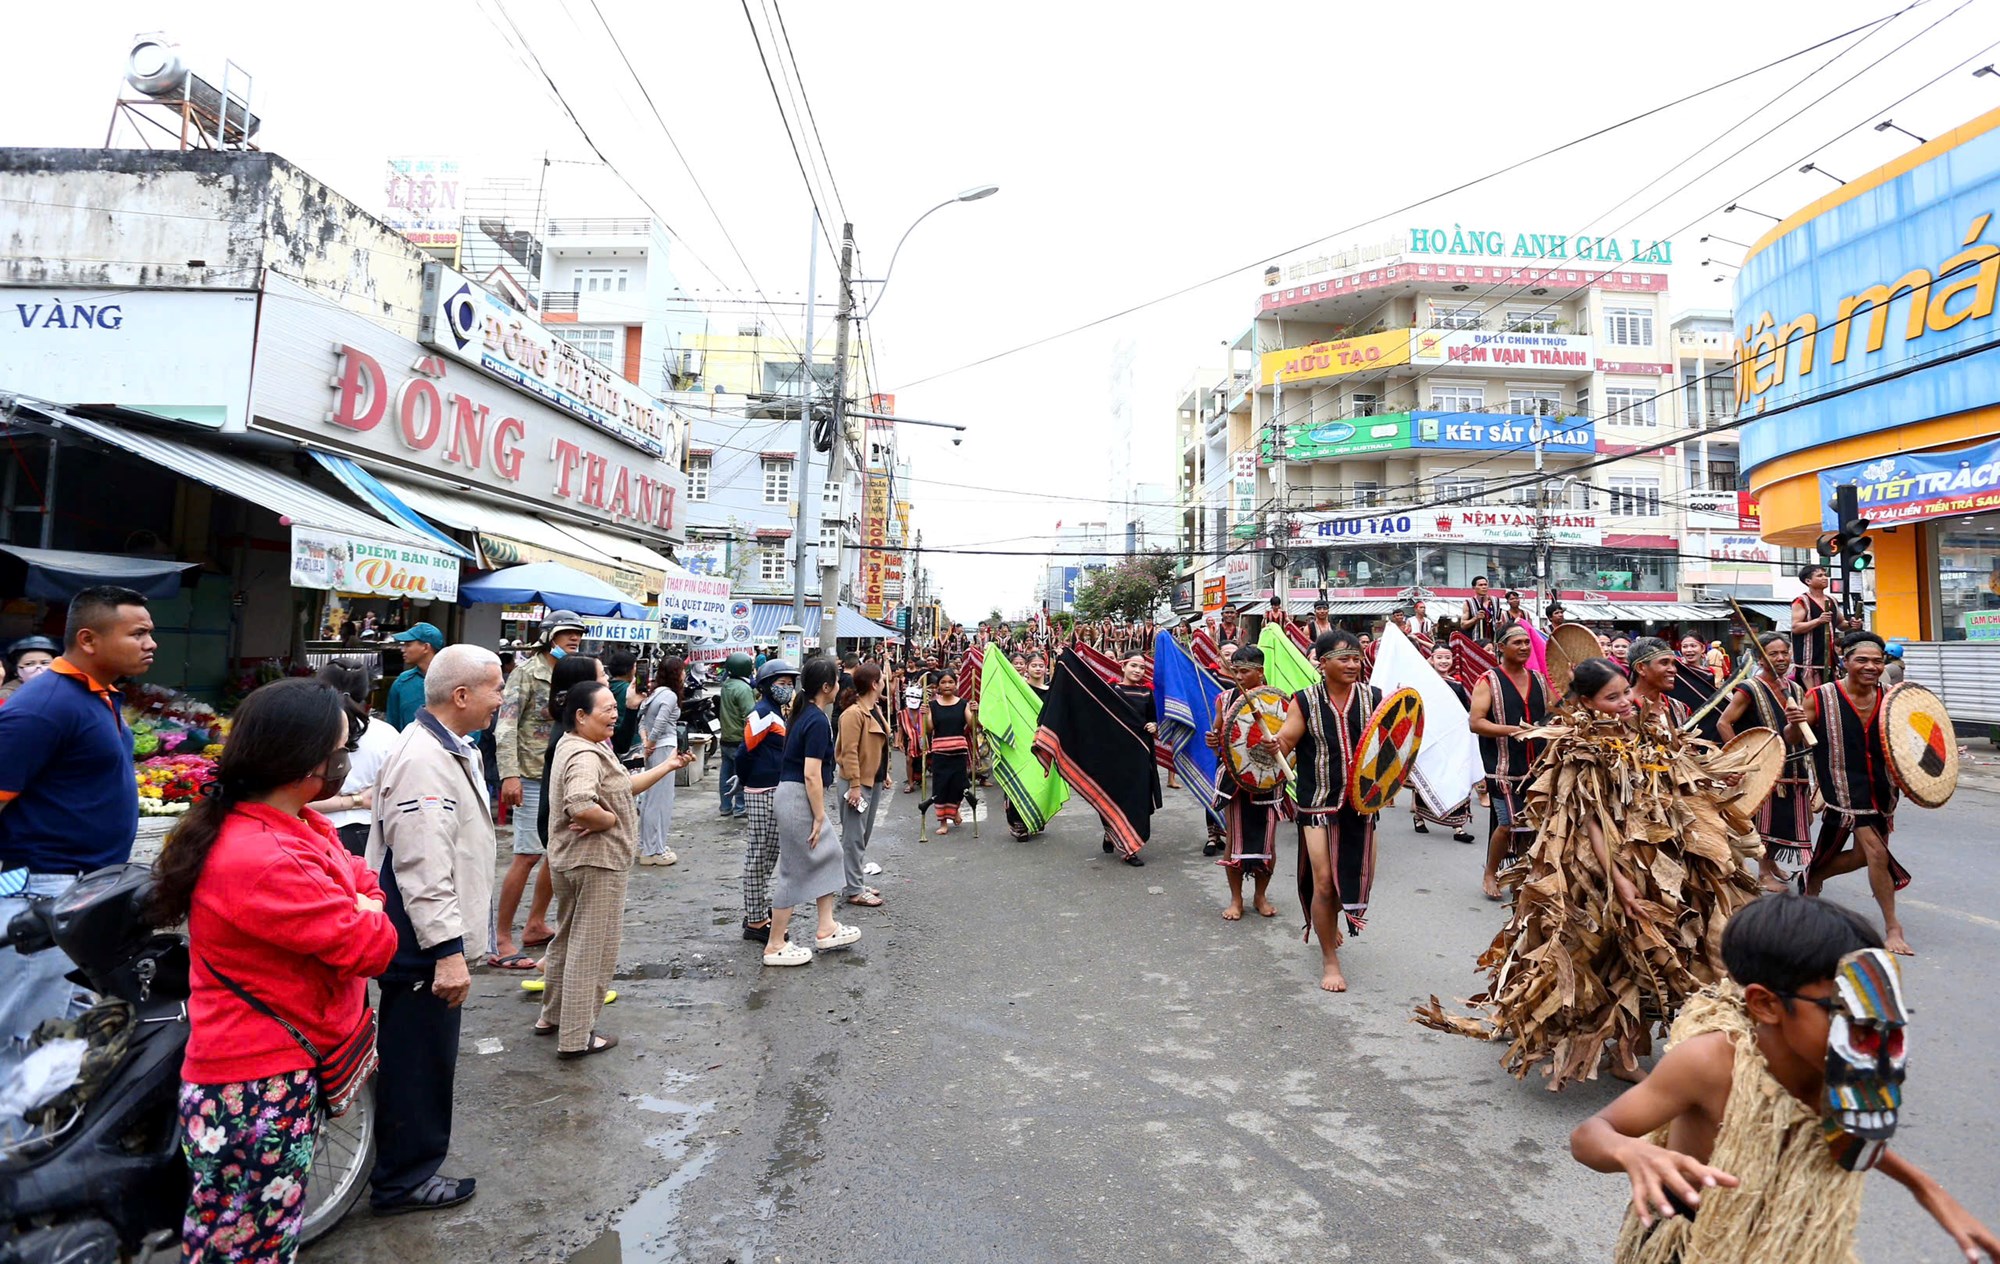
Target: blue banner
1499	432
1911	487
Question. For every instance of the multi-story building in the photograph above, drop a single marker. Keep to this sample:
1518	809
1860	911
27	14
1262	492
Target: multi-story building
1080	547
607	288
1402	397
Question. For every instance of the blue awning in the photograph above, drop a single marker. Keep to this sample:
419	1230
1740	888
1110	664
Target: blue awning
385	502
766	617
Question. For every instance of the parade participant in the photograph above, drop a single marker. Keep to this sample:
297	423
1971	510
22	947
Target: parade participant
1777	703
1733	1146
1038	675
1694	655
1421	623
1322	620
1631	859
1514	613
1274	611
757	768
1459	818
1228	630
1400	620
1557	616
1481	617
1226	653
1604	646
1620	647
1814	615
1336	843
1654	670
1508	701
1853	772
910	722
1009	716
1138	695
949	728
1250	816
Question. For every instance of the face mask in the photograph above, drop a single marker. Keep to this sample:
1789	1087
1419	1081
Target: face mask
1865	1058
782	694
335	775
557	651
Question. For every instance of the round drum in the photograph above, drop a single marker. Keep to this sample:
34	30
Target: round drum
1568	645
1386	752
1250	740
1922	745
1758	757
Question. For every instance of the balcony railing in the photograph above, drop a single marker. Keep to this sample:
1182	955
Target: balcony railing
559	302
601	227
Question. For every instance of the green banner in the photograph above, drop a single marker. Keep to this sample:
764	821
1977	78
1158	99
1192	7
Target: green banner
1356	436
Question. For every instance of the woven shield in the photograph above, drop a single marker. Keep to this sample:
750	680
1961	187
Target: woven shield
1250	740
1386	752
1756	755
1569	645
1922	745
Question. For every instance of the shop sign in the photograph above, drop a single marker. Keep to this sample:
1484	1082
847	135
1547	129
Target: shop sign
1357	435
874	534
1710	509
467	323
1843	314
336	380
622	631
698	605
1450	525
1982	625
1503	432
1334	359
705	557
1480	242
1748	515
1510	350
1239	570
179	354
328	561
1732	552
423	202
1184	593
1214	594
1913	486
1498	275
1245	486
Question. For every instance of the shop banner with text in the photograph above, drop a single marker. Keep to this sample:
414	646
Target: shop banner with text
1914	486
331	562
698	605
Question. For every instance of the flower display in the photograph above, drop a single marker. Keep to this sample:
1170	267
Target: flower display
169	784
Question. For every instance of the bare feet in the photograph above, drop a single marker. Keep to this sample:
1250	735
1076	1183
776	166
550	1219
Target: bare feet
1491	886
1234	913
537	933
1265	909
1331	979
1892	939
943	830
1630	1072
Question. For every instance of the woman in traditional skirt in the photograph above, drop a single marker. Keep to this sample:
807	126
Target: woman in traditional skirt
1457	819
949	724
1633	860
1336	843
809	856
1250	816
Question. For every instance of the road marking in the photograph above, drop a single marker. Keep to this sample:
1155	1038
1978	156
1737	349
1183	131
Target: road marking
1961	914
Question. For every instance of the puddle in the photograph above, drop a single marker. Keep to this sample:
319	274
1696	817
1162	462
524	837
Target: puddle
645	1230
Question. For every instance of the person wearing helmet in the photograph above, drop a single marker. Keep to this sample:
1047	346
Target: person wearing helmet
27	658
737	700
522	742
757	767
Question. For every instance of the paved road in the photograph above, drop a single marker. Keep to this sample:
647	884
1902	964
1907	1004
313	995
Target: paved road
1037	1054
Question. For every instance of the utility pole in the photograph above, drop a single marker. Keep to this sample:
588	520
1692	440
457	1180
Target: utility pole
805	432
1281	488
836	473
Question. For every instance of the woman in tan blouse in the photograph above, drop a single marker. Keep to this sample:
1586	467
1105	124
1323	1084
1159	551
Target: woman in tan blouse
593	837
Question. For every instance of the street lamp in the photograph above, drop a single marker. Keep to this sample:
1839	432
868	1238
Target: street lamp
1738	206
1890	125
1813	166
1708	237
974	194
1720	263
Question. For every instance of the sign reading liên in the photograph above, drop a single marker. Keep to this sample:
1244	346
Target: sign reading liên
465	322
328	561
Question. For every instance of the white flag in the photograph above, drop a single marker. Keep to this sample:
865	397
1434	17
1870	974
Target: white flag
1448	766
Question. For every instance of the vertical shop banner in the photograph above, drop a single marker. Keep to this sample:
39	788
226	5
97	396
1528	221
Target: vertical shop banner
874	534
698	605
328	561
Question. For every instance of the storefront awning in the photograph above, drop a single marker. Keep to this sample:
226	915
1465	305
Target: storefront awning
58	574
295	503
766	617
629	551
372	491
508	537
1642	612
1338	606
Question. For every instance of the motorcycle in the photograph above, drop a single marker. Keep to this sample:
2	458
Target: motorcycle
109	1182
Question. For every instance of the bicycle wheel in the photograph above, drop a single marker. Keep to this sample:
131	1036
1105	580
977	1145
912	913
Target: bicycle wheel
342	1157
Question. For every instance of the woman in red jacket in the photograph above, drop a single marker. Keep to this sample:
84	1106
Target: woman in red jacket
275	904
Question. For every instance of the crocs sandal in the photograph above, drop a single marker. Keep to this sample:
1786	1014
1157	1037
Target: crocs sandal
842	936
789	955
542	985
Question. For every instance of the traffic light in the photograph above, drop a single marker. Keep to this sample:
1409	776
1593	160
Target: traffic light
1850	539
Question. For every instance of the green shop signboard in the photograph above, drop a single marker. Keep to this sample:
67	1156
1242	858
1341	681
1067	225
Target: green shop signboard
1313	441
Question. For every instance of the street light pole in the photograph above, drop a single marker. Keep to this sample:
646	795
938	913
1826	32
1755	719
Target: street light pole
836	473
805	434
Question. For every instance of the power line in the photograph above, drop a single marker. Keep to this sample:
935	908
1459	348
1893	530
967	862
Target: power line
1356	227
811	194
826	163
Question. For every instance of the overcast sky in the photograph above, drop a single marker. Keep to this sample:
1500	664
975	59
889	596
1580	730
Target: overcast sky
1139	149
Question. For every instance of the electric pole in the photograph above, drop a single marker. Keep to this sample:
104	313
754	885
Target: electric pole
804	471
836	473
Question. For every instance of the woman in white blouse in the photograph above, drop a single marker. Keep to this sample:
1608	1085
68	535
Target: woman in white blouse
659	725
368	740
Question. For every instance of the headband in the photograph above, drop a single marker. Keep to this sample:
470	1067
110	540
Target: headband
1512	630
1664	651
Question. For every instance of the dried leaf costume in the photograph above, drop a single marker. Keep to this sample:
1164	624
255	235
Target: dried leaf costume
1571	972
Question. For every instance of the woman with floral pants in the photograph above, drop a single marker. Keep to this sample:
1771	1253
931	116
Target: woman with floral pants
249	1148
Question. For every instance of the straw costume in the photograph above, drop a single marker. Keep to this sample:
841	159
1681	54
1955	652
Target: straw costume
1571	972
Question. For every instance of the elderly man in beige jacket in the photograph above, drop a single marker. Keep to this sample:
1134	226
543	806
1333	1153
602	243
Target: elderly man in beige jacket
432	846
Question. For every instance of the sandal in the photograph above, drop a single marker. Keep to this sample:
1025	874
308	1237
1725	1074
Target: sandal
537	943
512	961
790	955
549	1030
598	1044
842	936
866	899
